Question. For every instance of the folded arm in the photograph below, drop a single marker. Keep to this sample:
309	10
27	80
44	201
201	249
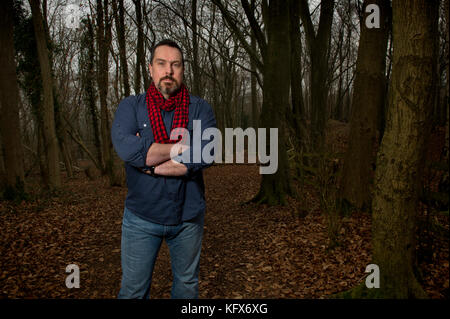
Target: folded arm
170	168
207	120
131	149
159	153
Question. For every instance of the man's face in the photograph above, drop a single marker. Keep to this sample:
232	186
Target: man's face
167	69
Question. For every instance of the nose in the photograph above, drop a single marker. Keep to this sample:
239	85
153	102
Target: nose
169	69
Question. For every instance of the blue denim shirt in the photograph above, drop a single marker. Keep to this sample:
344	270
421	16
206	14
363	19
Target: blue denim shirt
159	199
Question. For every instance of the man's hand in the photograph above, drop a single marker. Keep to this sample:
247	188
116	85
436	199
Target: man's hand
171	168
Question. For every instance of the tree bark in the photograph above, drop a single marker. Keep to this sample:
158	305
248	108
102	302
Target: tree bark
253	79
347	103
297	119
9	102
338	111
275	187
120	27
275	67
140	54
89	90
103	42
49	132
61	133
298	106
401	157
447	101
62	136
318	47
254	93
368	101
196	85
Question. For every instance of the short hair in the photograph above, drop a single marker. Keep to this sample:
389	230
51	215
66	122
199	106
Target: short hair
169	43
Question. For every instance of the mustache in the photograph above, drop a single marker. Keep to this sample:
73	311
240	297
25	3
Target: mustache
167	77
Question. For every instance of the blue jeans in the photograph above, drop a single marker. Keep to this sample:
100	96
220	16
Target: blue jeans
141	241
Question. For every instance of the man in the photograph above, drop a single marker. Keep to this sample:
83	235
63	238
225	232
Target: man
165	199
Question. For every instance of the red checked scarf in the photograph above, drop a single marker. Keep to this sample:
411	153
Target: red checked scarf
156	102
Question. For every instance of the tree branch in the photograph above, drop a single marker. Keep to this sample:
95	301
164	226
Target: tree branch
233	26
259	35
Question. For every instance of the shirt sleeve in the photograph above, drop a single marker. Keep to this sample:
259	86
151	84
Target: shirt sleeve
208	120
130	148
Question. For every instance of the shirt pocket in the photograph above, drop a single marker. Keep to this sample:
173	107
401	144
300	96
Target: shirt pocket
145	130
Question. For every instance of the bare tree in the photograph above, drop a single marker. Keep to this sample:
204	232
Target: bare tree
49	132
9	101
103	42
297	119
368	101
401	157
196	84
140	54
318	47
87	64
118	12
275	66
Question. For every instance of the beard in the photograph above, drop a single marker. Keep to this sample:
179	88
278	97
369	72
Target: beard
168	89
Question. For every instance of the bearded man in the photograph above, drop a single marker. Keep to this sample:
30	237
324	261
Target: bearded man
165	199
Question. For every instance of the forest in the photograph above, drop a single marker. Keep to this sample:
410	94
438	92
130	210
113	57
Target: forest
358	92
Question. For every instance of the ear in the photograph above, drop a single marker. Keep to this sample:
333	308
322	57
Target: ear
150	69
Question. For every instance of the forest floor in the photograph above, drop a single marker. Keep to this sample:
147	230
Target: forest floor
249	250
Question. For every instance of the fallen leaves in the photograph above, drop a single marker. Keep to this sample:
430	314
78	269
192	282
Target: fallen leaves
249	251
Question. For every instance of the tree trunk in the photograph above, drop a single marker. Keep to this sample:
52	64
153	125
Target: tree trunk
347	100
196	85
41	154
140	54
368	100
318	45
400	159
49	132
137	74
62	135
253	79
254	93
103	42
337	115
120	27
276	69
447	98
298	117
275	187
215	100
9	102
89	90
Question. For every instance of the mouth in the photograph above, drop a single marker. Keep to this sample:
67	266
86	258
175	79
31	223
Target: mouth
167	80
